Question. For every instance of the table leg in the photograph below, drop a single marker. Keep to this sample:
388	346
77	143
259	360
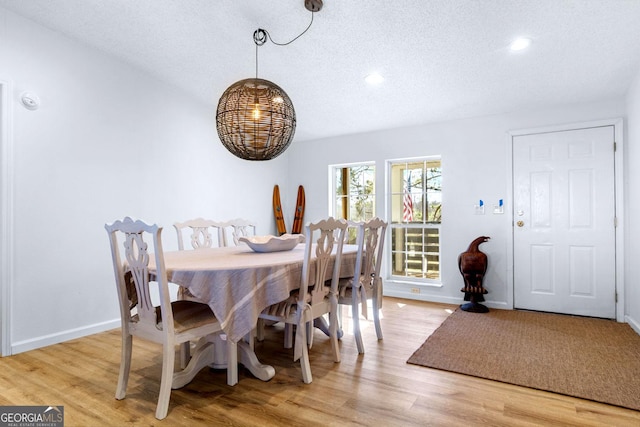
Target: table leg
246	357
219	352
321	323
202	356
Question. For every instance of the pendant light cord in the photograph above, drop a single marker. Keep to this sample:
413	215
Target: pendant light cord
260	37
254	35
291	41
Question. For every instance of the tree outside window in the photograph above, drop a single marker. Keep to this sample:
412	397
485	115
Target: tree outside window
354	193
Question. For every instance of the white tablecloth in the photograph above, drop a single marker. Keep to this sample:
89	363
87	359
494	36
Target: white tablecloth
238	284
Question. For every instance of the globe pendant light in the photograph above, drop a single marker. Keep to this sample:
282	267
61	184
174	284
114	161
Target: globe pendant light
255	118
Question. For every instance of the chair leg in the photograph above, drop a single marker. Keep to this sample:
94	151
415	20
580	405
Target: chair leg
340	331
309	326
288	335
333	333
125	365
376	317
166	380
305	365
356	327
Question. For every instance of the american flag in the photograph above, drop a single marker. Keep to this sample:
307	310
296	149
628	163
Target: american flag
407	207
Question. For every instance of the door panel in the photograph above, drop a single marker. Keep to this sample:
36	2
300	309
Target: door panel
564	212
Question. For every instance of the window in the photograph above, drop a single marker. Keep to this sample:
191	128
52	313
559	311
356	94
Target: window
354	193
416	212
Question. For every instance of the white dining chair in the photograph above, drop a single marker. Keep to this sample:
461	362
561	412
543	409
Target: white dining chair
171	323
204	233
356	291
317	294
240	228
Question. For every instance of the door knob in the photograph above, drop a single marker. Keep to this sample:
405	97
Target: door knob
520	223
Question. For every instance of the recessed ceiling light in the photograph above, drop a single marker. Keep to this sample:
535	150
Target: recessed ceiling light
520	44
374	79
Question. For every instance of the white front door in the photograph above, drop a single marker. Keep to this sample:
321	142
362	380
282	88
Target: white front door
564	213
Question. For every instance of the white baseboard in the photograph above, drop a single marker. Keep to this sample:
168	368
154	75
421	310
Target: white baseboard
46	340
406	294
635	325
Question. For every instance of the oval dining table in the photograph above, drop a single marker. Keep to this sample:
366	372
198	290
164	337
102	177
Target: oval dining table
238	284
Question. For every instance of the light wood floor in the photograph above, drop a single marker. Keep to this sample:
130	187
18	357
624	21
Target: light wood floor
375	389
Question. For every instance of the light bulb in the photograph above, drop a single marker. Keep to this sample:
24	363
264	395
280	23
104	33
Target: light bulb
256	112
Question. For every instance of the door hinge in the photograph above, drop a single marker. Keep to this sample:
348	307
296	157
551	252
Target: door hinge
615	146
615	222
616	297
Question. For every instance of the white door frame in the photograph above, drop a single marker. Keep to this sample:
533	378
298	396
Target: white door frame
619	201
6	216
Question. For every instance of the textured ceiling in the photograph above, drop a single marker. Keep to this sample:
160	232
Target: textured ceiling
441	59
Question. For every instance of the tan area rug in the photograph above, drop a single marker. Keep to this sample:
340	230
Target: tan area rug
589	358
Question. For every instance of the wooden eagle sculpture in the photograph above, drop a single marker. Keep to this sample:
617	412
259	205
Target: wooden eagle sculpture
472	265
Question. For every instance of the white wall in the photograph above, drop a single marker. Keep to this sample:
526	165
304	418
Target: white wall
106	130
108	141
632	157
475	166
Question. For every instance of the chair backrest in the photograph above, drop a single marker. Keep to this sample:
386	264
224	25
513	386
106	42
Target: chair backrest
351	235
132	277
323	238
239	228
201	233
370	241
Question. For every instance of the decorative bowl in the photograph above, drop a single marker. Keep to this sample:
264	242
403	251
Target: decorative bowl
286	242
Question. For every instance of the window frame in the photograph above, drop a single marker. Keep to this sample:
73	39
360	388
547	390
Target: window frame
389	211
333	186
